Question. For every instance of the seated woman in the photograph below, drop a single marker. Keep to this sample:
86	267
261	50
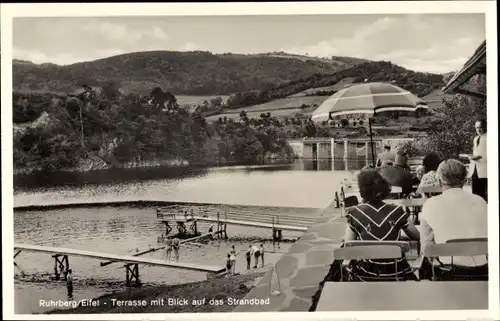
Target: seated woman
430	165
375	220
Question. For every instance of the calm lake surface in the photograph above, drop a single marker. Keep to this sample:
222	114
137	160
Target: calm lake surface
301	188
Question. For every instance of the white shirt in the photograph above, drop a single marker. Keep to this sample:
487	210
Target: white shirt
254	249
454	214
479	149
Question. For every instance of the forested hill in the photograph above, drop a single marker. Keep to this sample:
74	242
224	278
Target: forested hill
189	73
419	83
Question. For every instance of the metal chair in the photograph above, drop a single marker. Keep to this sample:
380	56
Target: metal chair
453	248
405	246
474	239
367	252
430	191
396	191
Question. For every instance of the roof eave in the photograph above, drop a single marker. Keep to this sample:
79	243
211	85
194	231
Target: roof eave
475	65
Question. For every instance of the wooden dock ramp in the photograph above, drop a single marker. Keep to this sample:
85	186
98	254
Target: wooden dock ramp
62	265
163	246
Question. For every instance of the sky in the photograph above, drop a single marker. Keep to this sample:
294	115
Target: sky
437	43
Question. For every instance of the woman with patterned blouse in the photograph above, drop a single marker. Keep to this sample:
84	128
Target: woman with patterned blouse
430	165
375	220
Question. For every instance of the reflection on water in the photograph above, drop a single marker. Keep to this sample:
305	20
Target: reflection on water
41	181
301	184
351	164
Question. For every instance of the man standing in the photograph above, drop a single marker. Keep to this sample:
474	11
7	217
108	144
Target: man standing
478	166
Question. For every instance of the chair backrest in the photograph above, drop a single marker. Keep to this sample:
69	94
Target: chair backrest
350	201
405	246
473	239
368	252
396	189
415	161
431	189
456	249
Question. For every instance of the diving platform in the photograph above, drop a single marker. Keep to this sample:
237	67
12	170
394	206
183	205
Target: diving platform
182	218
276	222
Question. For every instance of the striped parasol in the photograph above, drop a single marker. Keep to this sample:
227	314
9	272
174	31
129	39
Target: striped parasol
368	98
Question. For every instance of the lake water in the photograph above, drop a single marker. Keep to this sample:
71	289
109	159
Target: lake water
302	189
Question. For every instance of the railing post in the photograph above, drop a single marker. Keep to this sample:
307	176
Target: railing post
332	148
346	149
218	225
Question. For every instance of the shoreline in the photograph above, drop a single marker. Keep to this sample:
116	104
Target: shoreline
138	203
155	164
148	299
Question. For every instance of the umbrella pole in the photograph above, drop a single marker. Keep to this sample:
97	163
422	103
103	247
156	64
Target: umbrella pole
371	140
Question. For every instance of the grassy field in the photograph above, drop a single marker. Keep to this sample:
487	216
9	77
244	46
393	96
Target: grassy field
433	99
189	102
290	106
285	107
280	113
184	100
338	86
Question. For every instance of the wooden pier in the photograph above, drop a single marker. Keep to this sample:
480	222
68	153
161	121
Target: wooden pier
254	224
278	223
131	262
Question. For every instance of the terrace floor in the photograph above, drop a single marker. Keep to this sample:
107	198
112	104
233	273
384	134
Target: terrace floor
302	269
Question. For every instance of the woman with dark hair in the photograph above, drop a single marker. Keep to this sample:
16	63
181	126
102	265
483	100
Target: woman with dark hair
430	165
375	220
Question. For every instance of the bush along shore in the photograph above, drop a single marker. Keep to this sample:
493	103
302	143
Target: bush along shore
214	295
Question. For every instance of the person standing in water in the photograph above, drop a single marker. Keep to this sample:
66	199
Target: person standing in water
69	284
175	247
256	254
229	264
233	254
248	256
279	238
168	249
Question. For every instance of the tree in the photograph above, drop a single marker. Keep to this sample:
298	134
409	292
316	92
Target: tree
451	130
216	102
111	91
